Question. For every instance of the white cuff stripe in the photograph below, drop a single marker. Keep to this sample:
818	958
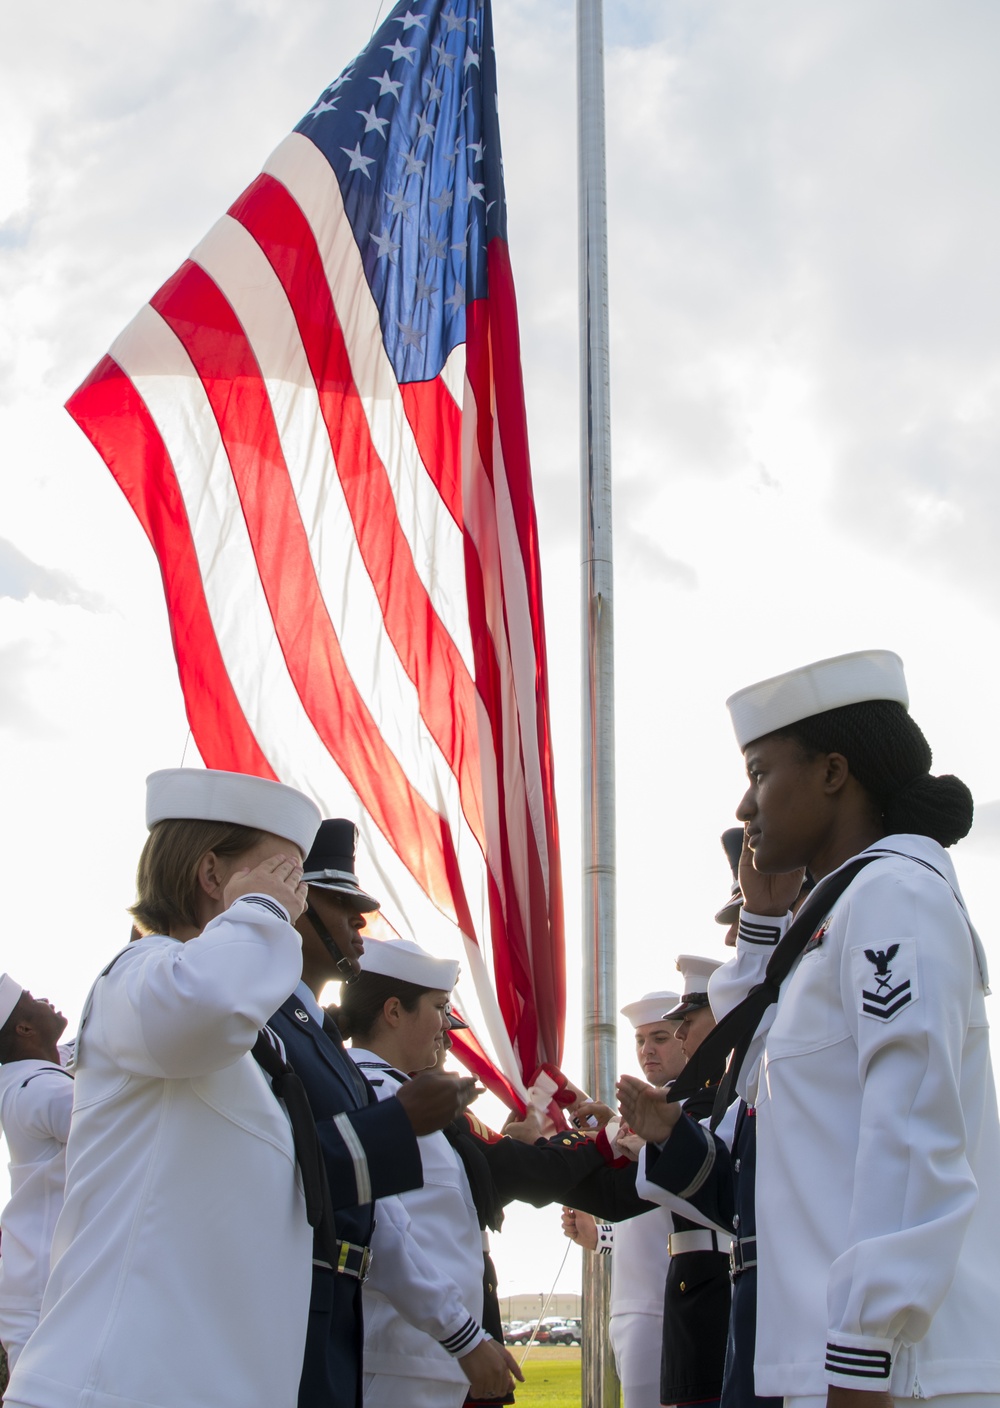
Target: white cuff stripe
705	1169
358	1158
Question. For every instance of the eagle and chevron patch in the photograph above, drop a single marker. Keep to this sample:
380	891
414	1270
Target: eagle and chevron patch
886	978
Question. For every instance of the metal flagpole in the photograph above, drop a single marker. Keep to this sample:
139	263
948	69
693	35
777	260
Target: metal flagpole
600	1382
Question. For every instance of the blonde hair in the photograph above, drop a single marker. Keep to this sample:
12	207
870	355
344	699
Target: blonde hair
166	879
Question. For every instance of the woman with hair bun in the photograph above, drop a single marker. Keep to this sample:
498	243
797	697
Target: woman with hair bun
182	1257
878	1210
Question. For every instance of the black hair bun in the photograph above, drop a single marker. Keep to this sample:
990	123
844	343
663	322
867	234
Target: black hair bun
939	807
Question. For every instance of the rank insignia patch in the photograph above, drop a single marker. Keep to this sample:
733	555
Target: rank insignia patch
887	978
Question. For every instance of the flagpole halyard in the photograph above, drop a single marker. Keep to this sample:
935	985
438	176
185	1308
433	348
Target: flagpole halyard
600	1382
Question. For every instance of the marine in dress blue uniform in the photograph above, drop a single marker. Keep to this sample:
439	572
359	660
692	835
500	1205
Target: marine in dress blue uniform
370	1148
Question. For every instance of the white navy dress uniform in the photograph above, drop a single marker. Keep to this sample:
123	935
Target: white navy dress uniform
182	1194
36	1102
639	1262
878	1204
423	1299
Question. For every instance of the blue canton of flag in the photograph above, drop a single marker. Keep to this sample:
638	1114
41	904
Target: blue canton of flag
411	131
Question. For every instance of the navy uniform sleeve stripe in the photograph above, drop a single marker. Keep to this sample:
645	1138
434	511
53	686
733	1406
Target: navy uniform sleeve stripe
455	1343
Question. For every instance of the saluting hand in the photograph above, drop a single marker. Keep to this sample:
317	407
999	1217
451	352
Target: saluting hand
645	1109
279	876
767	894
434	1098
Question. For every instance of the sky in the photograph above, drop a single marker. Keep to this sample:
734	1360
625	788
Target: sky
804	214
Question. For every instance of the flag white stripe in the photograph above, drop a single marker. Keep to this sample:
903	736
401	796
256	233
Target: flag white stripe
236	263
429	528
158	365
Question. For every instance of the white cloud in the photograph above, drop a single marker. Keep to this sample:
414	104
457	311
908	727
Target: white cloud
21	578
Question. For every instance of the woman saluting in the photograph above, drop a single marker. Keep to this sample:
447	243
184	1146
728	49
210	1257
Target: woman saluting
878	1211
181	1260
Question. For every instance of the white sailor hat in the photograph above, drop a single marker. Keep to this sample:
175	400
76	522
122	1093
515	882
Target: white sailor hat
813	689
330	863
205	794
695	973
650	1008
10	993
402	958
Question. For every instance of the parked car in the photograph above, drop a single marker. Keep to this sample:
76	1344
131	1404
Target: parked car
559	1332
519	1332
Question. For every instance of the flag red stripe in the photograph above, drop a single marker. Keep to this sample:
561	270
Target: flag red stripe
518	989
436	422
475	1059
429	655
548	959
205	324
113	416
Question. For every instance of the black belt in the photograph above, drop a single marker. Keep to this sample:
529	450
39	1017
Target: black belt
352	1260
739	1261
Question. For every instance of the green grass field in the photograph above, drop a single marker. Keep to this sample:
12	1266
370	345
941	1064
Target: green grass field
549	1385
551	1378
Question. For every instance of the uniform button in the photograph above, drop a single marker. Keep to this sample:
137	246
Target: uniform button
736	1165
736	1223
683	1285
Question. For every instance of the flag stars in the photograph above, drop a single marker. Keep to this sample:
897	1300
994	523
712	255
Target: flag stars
323	107
414	165
358	162
436	249
475	190
424	128
386	245
410	19
444	57
341	80
444	201
476	147
387	84
399	50
453	21
424	290
436	94
457	299
452	157
471	57
397	205
412	337
373	123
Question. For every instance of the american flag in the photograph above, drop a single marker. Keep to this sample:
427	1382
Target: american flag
319	421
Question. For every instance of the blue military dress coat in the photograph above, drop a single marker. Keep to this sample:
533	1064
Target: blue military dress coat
371	1152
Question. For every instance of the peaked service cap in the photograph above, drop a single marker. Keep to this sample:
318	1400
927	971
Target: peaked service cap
695	973
330	863
10	993
205	794
402	958
813	689
650	1008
